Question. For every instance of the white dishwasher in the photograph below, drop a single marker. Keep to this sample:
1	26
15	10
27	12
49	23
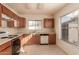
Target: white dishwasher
44	39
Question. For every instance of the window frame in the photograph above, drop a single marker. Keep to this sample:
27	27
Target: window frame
35	25
63	16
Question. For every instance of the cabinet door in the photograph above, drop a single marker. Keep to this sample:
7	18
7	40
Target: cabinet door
0	15
35	39
3	46
21	23
48	23
22	37
10	23
7	51
7	12
14	16
52	39
6	48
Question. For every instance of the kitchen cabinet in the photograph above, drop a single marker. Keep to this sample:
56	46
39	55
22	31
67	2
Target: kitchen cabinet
35	39
22	40
7	12
48	23
30	39
6	51
21	22
0	15
14	16
6	48
10	23
52	39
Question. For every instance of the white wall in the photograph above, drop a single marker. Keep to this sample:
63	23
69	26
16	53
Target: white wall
68	48
36	17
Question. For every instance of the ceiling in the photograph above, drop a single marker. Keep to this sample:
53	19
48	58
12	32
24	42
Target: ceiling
36	8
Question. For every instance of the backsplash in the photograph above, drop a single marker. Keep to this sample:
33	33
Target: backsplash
9	30
25	30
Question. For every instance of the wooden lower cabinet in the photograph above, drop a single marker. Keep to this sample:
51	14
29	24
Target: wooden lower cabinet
35	39
22	40
30	39
6	49
52	39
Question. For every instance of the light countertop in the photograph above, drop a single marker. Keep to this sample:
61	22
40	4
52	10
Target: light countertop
5	40
2	41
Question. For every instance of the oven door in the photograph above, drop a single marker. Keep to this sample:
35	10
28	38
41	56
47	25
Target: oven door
15	46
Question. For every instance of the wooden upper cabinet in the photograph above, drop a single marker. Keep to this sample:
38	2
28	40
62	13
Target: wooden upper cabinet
7	12
15	17
10	23
48	23
0	15
21	22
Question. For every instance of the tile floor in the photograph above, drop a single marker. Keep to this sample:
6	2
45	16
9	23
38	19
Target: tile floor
42	50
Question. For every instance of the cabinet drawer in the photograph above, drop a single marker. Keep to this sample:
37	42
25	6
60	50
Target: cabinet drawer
4	46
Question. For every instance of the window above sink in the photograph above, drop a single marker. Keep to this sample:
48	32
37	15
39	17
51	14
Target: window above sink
34	24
